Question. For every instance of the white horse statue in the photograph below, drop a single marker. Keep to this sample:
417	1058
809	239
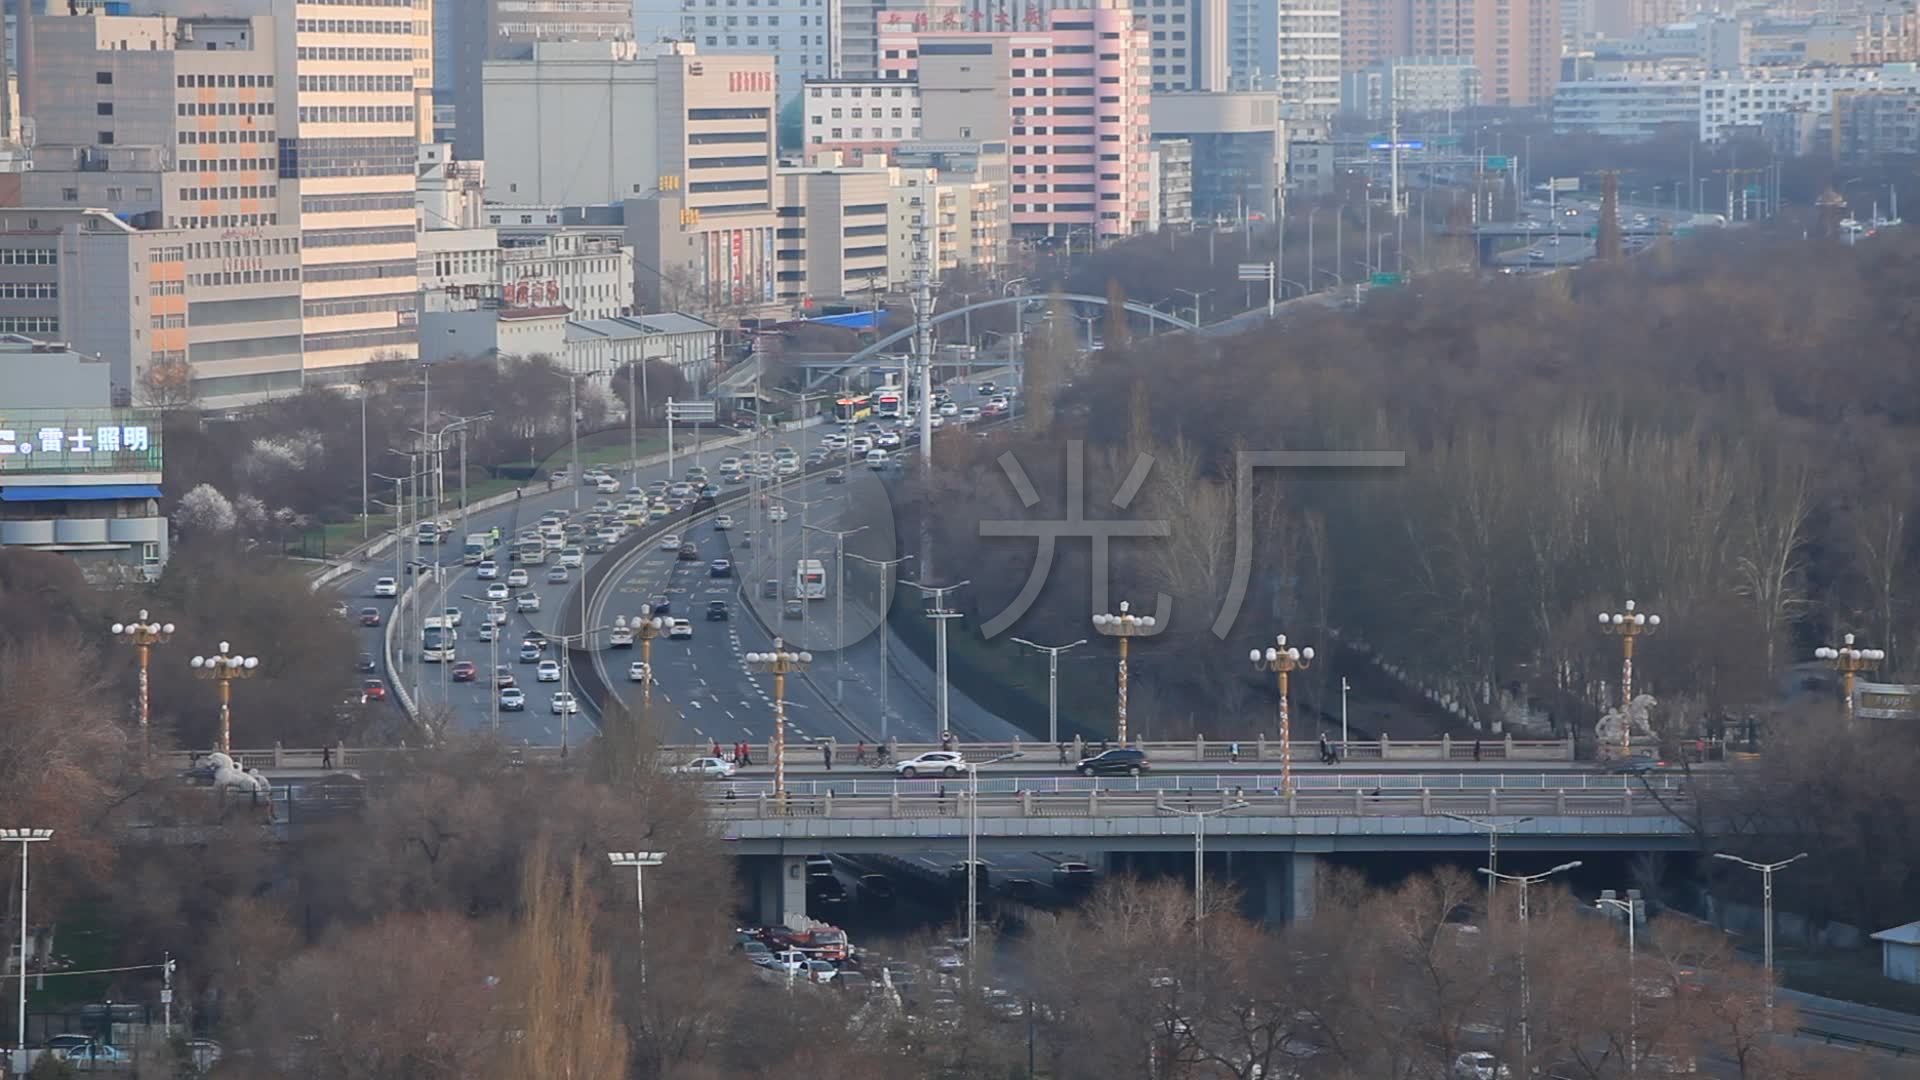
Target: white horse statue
1615	724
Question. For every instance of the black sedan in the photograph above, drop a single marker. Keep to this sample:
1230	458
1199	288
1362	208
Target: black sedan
1123	761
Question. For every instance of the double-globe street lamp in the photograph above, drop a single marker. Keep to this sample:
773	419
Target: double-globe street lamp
644	628
1849	660
23	837
224	668
1126	626
1627	625
780	663
143	634
1283	660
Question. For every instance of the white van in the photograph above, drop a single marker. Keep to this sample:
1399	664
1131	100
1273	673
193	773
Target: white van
877	459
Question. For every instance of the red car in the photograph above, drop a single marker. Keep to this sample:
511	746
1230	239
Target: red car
369	616
503	677
373	690
465	671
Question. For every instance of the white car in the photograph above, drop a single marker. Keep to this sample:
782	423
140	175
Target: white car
487	570
527	602
670	542
786	467
496	616
707	766
572	558
517	578
932	763
497	591
485	633
1479	1065
936	422
723	523
680	628
887	440
547	671
452	616
968	415
386	586
565	702
638	671
776	513
948	408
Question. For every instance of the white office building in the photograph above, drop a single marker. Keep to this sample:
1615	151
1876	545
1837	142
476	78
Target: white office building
590	275
804	37
1716	105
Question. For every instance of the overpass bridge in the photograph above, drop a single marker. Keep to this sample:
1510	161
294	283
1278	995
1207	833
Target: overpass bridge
1276	839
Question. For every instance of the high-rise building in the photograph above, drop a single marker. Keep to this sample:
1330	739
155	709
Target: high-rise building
1072	102
1418	84
1515	44
832	241
171	127
1189	42
804	37
858	117
469	33
1306	55
335	100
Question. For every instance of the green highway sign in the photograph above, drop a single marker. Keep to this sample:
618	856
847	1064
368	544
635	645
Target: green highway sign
1382	281
1499	164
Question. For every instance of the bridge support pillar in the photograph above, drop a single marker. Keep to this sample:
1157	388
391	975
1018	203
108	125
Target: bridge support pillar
779	888
1289	881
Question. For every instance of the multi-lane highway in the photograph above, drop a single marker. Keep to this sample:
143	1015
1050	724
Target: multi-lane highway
704	692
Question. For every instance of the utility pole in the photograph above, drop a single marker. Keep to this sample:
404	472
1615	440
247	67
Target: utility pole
886	602
940	615
923	354
839	606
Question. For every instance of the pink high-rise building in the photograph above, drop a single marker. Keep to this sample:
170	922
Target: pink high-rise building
1070	101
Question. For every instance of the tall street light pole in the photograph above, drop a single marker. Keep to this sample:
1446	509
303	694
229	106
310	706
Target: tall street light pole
1849	661
1493	842
1633	994
1525	881
1200	856
886	567
1627	625
1283	660
23	837
223	668
973	849
839	605
1766	871
639	860
645	628
1053	682
779	663
143	635
1126	626
941	615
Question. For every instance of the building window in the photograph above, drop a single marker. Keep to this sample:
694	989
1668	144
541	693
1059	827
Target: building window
104	78
103	108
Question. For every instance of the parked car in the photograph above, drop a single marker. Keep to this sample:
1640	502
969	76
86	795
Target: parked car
932	763
1120	761
707	766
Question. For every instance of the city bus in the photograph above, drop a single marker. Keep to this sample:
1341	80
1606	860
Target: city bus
810	580
846	410
888	401
436	640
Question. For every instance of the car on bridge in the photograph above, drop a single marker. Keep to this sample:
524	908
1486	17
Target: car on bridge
1119	761
932	763
712	767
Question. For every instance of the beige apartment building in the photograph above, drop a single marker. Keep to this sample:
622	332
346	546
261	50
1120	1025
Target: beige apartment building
283	137
1514	44
685	141
832	238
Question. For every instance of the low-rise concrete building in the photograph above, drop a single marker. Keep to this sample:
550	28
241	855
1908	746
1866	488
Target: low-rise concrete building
77	475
